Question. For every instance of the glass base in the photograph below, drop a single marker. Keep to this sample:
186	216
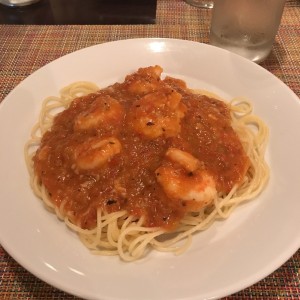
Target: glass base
200	3
15	3
255	52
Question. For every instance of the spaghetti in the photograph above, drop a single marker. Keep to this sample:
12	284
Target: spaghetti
112	228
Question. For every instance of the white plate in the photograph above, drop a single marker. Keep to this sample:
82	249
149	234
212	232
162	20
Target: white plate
230	256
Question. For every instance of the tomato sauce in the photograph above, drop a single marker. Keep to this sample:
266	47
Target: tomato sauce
127	181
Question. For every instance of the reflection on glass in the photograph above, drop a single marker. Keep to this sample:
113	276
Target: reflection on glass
201	3
18	2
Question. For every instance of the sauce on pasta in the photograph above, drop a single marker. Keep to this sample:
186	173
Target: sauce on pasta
140	146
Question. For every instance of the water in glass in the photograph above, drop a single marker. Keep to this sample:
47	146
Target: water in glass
246	27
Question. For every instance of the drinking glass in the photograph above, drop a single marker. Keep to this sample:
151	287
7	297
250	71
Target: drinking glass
17	2
246	27
200	3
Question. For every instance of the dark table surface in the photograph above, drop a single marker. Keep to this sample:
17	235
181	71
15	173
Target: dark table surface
50	12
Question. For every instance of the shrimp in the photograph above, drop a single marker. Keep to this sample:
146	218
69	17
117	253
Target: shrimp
183	158
184	179
104	111
158	113
96	152
143	81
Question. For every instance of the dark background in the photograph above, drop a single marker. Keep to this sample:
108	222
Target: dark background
63	12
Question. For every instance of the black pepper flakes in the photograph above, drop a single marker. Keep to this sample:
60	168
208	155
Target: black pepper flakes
111	202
